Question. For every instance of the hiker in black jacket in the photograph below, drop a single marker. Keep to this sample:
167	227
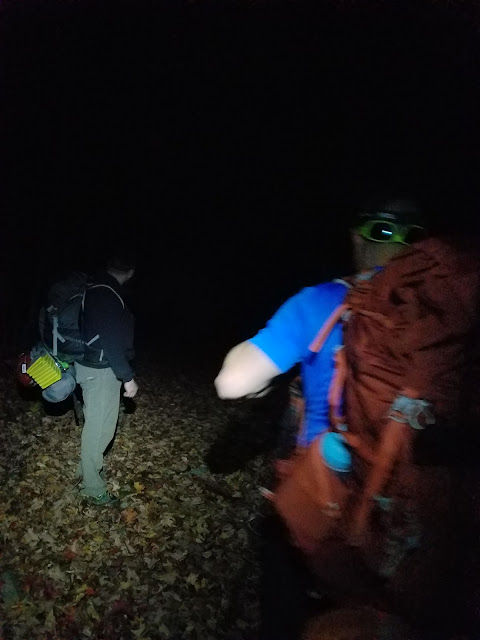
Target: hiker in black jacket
107	329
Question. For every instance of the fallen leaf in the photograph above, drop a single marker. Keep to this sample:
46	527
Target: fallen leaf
129	515
138	487
82	591
69	555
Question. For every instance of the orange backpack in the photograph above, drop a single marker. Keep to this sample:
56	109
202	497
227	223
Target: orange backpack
407	352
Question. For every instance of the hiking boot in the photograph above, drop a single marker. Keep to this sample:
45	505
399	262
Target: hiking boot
106	499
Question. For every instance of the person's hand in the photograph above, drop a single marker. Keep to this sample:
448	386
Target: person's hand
131	388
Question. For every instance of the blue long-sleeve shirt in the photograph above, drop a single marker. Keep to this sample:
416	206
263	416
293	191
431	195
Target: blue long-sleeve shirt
286	339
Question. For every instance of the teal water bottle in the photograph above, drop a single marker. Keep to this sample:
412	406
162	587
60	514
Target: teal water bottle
335	452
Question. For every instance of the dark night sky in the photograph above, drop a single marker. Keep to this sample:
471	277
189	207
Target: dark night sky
227	141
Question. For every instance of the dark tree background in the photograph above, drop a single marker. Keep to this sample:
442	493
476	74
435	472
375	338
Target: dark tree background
227	142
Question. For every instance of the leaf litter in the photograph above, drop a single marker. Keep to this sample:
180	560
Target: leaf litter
175	560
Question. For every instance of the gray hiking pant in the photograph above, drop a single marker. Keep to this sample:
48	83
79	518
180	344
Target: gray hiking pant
101	397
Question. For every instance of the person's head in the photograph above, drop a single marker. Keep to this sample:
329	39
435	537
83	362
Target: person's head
121	268
383	230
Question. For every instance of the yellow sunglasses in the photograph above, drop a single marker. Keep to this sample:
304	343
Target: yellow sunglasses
389	232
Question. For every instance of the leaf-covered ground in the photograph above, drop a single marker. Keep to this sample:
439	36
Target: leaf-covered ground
177	558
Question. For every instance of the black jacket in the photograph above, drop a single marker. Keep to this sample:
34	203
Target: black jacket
106	315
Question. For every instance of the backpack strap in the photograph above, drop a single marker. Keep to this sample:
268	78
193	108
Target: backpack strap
297	405
335	392
297	401
341	311
56	336
338	380
327	328
97	286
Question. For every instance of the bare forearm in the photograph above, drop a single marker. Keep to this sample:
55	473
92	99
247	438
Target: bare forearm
246	370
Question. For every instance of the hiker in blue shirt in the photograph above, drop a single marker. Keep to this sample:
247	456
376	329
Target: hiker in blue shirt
250	367
248	371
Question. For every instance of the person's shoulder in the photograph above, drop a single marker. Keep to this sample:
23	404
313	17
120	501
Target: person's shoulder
104	288
318	299
325	291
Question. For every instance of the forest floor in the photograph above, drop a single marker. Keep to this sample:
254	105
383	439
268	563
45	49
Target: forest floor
176	559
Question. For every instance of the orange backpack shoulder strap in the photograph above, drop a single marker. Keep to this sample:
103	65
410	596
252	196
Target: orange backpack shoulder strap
327	328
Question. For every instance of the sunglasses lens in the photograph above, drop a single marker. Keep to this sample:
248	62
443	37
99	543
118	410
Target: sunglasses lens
415	234
382	232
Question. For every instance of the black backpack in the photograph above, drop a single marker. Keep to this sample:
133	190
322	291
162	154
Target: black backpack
59	319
